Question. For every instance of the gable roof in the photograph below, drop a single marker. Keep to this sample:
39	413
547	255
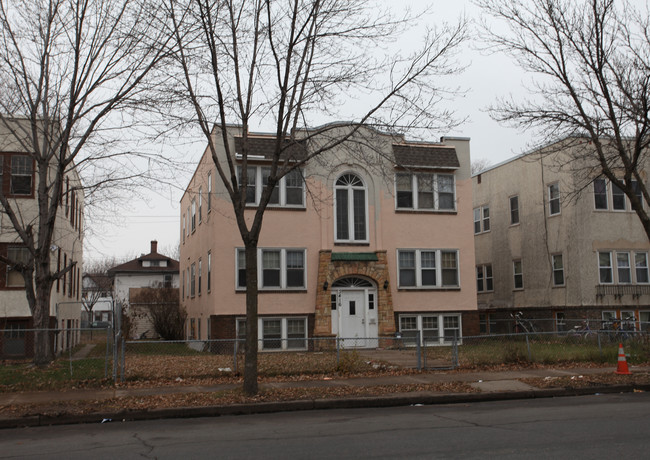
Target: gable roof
429	156
136	265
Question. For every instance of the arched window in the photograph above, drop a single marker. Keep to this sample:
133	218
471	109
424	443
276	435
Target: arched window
350	209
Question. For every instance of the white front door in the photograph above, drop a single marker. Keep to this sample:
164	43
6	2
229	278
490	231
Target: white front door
356	321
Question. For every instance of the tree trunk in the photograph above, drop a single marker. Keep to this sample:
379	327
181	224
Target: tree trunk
250	366
43	353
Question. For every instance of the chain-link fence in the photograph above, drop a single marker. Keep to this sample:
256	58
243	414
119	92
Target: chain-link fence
88	354
200	359
543	347
80	354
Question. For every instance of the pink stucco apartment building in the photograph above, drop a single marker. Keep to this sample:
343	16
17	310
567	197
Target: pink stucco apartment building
371	239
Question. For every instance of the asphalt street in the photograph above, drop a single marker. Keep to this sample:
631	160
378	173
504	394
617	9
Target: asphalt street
596	426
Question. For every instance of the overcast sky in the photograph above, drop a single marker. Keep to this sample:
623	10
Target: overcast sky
486	78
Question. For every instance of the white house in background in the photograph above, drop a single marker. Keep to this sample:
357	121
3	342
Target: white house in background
148	270
96	296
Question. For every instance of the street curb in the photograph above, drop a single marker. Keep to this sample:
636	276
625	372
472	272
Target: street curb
424	399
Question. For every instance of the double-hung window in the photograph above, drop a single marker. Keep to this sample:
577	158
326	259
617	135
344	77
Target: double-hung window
21	175
484	280
425	191
558	270
623	272
199	275
200	204
641	267
278	268
427	268
209	280
289	191
605	268
482	219
283	333
18	255
193	280
434	329
518	274
193	215
619	200
514	210
554	199
209	191
600	194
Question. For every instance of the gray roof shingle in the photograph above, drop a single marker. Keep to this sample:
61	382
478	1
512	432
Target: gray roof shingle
430	156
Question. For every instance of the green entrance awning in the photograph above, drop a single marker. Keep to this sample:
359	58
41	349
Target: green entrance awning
354	256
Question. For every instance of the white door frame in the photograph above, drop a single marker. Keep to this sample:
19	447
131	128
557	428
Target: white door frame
369	317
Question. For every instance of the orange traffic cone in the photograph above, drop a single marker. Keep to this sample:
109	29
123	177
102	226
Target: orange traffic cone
622	362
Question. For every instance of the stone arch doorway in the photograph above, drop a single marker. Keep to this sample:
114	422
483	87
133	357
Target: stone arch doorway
354	312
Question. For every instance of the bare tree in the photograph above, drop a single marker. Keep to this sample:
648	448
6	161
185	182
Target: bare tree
479	165
71	73
97	283
592	63
162	307
287	64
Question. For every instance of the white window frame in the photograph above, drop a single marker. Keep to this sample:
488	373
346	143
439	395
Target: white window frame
610	194
622	266
209	191
437	267
200	204
614	269
351	238
285	340
193	280
440	318
514	210
209	278
555	269
415	195
516	274
258	184
24	167
198	276
183	232
482	278
283	269
21	254
601	194
553	199
642	267
193	218
482	217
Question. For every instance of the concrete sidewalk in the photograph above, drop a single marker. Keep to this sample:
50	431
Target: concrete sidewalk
490	385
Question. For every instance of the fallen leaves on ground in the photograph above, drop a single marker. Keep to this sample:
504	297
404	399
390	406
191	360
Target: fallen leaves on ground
229	397
586	381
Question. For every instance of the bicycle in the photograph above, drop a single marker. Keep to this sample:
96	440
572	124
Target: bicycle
523	325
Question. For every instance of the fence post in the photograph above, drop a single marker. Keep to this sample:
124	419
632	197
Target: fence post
123	358
454	362
338	352
116	354
600	347
419	349
234	358
530	355
109	334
